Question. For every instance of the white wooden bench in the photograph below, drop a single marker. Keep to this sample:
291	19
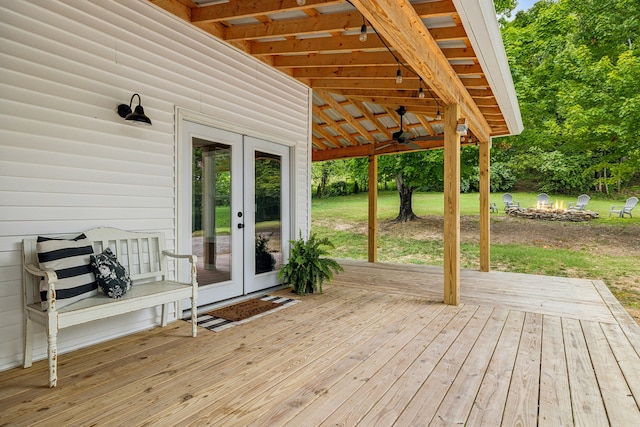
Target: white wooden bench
145	259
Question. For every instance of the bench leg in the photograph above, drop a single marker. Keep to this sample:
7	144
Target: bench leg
28	342
52	350
194	317
165	314
179	310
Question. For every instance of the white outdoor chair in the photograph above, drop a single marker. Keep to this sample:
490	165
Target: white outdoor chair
543	200
507	198
626	209
581	204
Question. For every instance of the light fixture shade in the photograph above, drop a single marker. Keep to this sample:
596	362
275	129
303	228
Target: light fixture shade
301	2
136	116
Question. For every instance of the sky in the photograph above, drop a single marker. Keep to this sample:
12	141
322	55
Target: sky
523	5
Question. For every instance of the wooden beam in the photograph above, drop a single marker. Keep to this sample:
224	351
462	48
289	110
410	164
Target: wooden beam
485	213
372	235
357	59
235	9
321	24
425	123
398	23
332	60
407	84
451	206
382	148
357	72
463	70
341	44
475	82
341	21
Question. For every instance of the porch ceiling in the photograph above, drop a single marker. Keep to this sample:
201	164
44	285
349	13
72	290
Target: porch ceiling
355	93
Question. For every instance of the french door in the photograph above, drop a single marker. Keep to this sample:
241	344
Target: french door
238	210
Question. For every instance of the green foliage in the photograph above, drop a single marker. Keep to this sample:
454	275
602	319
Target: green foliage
504	7
502	178
338	188
306	269
576	69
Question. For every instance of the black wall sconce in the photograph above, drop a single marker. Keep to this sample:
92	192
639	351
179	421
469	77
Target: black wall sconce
136	116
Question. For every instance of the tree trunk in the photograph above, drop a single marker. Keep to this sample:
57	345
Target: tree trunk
406	207
324	180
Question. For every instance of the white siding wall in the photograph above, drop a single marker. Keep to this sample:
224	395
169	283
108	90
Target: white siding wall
68	162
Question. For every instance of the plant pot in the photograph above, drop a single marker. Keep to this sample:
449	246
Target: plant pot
309	288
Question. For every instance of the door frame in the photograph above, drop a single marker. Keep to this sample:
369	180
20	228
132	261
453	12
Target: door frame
182	187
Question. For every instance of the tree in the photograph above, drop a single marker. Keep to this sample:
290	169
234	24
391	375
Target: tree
576	72
411	171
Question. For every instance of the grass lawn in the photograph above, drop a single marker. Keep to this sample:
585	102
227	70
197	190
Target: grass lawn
605	249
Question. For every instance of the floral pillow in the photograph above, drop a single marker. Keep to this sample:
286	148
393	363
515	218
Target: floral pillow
111	276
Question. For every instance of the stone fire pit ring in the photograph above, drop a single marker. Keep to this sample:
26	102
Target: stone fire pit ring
551	214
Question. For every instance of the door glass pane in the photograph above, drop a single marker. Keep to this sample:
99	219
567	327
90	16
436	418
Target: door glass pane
211	209
268	206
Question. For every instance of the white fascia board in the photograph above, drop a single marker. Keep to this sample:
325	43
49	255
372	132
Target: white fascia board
481	24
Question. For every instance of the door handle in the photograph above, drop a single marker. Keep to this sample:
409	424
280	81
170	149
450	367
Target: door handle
240	225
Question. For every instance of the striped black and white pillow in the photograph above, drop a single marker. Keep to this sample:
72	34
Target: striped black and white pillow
70	260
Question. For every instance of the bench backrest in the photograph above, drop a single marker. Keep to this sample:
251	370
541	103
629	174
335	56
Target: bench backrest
139	253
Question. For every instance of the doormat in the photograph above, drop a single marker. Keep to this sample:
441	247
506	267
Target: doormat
236	314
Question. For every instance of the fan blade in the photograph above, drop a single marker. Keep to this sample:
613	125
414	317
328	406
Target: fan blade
382	147
406	136
409	143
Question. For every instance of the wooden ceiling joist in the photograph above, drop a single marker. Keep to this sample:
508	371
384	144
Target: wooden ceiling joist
244	9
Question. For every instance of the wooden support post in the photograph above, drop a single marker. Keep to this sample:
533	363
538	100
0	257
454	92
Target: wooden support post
373	208
451	206
485	213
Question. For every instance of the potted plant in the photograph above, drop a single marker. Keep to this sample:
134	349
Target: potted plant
306	270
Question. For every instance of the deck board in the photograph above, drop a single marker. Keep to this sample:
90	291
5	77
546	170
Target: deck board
377	348
555	400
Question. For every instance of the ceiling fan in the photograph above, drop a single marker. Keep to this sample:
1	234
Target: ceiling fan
405	137
402	136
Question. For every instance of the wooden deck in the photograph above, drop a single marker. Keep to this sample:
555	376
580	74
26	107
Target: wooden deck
378	348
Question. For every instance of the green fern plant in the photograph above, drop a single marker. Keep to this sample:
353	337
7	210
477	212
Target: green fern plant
306	269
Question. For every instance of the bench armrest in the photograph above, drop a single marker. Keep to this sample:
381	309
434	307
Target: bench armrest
192	258
49	275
